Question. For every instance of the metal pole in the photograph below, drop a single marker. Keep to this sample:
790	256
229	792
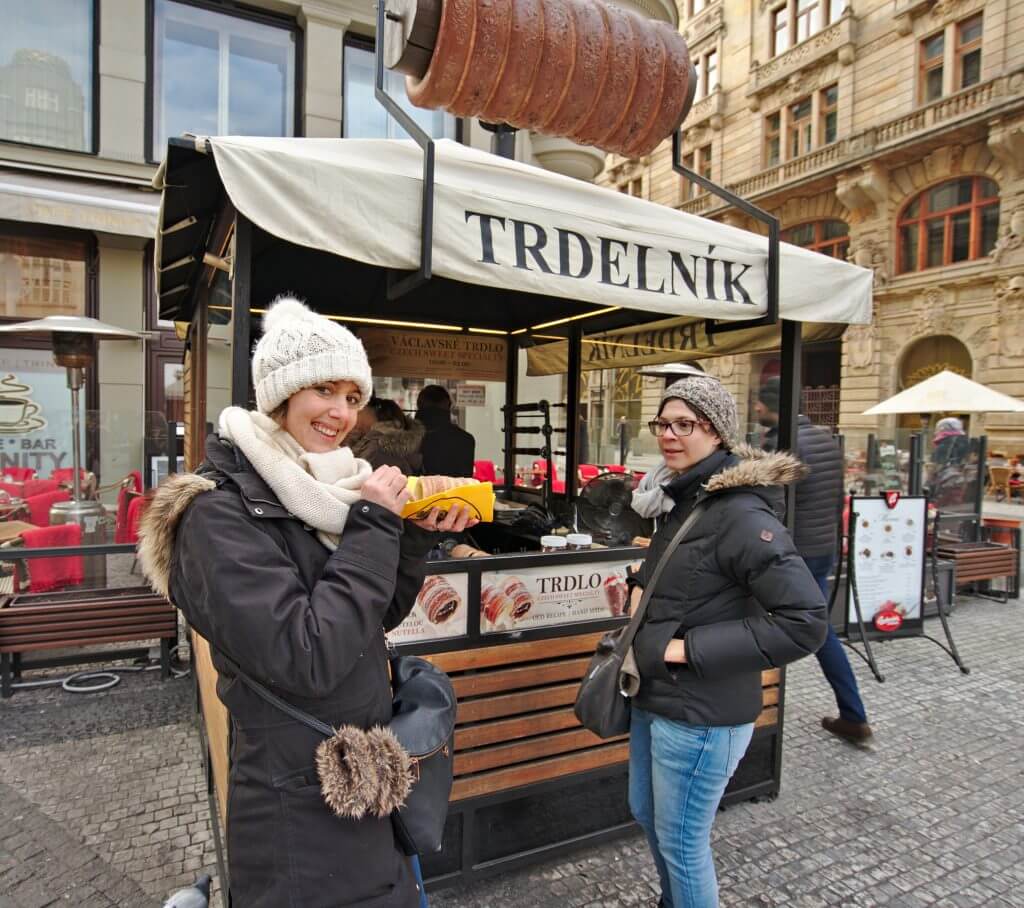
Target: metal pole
511	399
241	288
75	377
914	481
789	402
572	410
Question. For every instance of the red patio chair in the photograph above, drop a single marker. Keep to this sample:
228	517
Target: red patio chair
54	573
130	487
136	507
32	487
14	489
614	468
484	471
18	474
39	506
588	471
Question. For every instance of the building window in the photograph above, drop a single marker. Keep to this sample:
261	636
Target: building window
968	52
931	74
42	275
696	6
773	139
364	117
218	74
47	73
955	221
796	20
830	238
799	129
707	74
699	161
829	115
634	188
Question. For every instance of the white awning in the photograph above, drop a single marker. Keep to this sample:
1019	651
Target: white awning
38	199
502	223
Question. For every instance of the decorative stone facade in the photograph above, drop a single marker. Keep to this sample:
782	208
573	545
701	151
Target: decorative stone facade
890	144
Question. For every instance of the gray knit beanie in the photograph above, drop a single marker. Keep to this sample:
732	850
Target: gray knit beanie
300	348
705	393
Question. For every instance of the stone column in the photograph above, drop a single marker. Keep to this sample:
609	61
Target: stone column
122	88
323	26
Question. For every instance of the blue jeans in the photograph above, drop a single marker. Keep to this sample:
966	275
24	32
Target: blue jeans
419	879
677	775
832	658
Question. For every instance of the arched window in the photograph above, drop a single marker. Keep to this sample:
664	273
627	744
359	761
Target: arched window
827	237
953	222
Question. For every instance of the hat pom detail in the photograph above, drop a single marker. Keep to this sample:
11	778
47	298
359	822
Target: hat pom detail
285	309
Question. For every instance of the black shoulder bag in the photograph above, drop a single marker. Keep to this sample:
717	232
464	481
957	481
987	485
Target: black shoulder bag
602	704
423	722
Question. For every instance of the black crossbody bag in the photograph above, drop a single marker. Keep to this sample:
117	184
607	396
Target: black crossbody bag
603	700
423	721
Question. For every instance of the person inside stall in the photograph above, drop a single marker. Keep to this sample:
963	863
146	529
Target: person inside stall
288	555
950	442
447	449
385	436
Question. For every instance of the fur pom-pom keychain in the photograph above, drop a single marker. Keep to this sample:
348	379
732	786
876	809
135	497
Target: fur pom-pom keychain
363	772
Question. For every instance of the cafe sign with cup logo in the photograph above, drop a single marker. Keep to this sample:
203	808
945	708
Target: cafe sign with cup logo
35	412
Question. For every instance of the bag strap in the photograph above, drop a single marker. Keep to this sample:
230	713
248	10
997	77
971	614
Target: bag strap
626	640
292	711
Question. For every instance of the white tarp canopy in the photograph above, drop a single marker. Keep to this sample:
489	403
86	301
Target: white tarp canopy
947	392
502	223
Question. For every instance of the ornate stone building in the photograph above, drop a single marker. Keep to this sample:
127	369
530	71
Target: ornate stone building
889	132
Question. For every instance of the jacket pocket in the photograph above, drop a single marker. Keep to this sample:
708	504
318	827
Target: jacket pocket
333	861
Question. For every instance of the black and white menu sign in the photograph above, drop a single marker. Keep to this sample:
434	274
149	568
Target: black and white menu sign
888	539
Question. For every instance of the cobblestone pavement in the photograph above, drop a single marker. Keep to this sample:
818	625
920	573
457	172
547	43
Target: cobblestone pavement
103	803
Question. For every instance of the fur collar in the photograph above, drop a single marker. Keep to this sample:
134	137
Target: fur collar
757	467
159	526
392	439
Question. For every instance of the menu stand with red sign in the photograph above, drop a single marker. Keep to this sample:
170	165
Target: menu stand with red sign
885	563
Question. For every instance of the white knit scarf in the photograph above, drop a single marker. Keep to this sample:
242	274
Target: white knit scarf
317	488
649	499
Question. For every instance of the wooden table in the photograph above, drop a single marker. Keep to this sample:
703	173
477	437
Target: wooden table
10	529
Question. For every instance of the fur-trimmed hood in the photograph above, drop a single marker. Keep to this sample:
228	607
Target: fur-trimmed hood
389	439
757	468
159	525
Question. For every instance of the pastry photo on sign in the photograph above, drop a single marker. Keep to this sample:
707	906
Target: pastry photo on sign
504	603
438	600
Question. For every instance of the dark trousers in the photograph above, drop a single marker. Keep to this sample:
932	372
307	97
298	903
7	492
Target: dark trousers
832	656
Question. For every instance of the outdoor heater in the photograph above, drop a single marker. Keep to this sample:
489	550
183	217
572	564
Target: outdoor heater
74	340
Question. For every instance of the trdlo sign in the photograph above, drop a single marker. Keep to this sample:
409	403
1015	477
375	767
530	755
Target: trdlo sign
432	354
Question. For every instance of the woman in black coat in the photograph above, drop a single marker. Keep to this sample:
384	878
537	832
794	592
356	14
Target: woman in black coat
287	554
734	599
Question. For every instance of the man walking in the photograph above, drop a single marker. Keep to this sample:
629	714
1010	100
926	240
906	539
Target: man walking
818	503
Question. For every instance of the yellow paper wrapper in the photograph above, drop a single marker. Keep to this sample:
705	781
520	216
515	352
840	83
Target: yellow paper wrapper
479	496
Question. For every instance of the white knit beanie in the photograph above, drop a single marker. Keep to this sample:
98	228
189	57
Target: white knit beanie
300	348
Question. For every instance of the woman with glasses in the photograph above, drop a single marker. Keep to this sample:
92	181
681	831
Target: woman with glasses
734	599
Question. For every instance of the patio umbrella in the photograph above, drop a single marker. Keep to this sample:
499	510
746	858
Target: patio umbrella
947	392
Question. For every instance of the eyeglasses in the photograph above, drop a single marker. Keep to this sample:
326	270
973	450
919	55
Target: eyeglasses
680	427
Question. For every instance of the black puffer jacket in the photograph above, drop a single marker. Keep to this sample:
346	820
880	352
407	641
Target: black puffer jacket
307	623
818	495
735	590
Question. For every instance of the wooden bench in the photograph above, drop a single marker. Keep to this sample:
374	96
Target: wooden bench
977	562
515	725
40	622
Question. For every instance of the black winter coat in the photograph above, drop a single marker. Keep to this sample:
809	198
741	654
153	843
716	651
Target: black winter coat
447	449
735	590
309	624
819	494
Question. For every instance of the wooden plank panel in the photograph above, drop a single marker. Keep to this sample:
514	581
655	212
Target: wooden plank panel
13	636
496	681
111	638
107	621
534	651
47	608
522	751
771	676
215	720
769	716
770	696
511	729
540	771
515	703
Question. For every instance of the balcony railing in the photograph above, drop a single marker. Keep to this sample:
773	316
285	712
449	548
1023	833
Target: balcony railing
874	139
706	108
824	44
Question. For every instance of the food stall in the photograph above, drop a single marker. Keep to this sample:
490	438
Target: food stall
513	251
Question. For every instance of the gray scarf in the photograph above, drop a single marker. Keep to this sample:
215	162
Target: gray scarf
649	499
